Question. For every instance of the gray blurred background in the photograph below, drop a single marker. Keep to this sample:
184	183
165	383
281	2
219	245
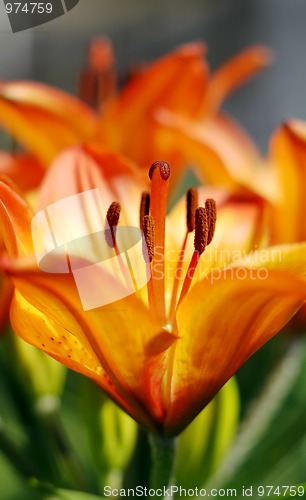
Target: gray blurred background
142	30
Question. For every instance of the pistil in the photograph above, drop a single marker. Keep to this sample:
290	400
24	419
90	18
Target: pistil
201	220
159	174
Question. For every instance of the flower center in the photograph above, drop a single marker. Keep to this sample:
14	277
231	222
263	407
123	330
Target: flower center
153	207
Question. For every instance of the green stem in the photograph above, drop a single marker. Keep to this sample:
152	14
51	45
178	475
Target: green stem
163	456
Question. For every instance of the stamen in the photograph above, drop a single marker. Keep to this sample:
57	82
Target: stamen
97	82
205	222
148	231
201	230
113	213
112	217
211	211
144	207
192	205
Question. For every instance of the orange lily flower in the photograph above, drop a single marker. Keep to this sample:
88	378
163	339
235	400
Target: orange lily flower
45	120
164	351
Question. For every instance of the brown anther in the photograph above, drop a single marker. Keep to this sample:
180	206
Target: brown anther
144	207
113	214
148	231
211	211
112	218
192	205
201	230
164	170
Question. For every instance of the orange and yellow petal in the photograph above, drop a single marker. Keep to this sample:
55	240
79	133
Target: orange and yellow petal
222	322
90	167
219	150
15	220
288	157
57	102
126	122
47	312
23	169
43	119
231	75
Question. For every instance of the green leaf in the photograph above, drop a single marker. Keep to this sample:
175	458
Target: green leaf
270	448
112	434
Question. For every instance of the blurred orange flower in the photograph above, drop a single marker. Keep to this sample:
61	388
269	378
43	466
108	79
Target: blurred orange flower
279	179
46	120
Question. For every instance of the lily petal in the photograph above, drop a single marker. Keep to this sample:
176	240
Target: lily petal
233	319
94	167
232	74
15	220
288	153
52	100
290	257
24	170
47	312
153	88
219	150
44	120
60	339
